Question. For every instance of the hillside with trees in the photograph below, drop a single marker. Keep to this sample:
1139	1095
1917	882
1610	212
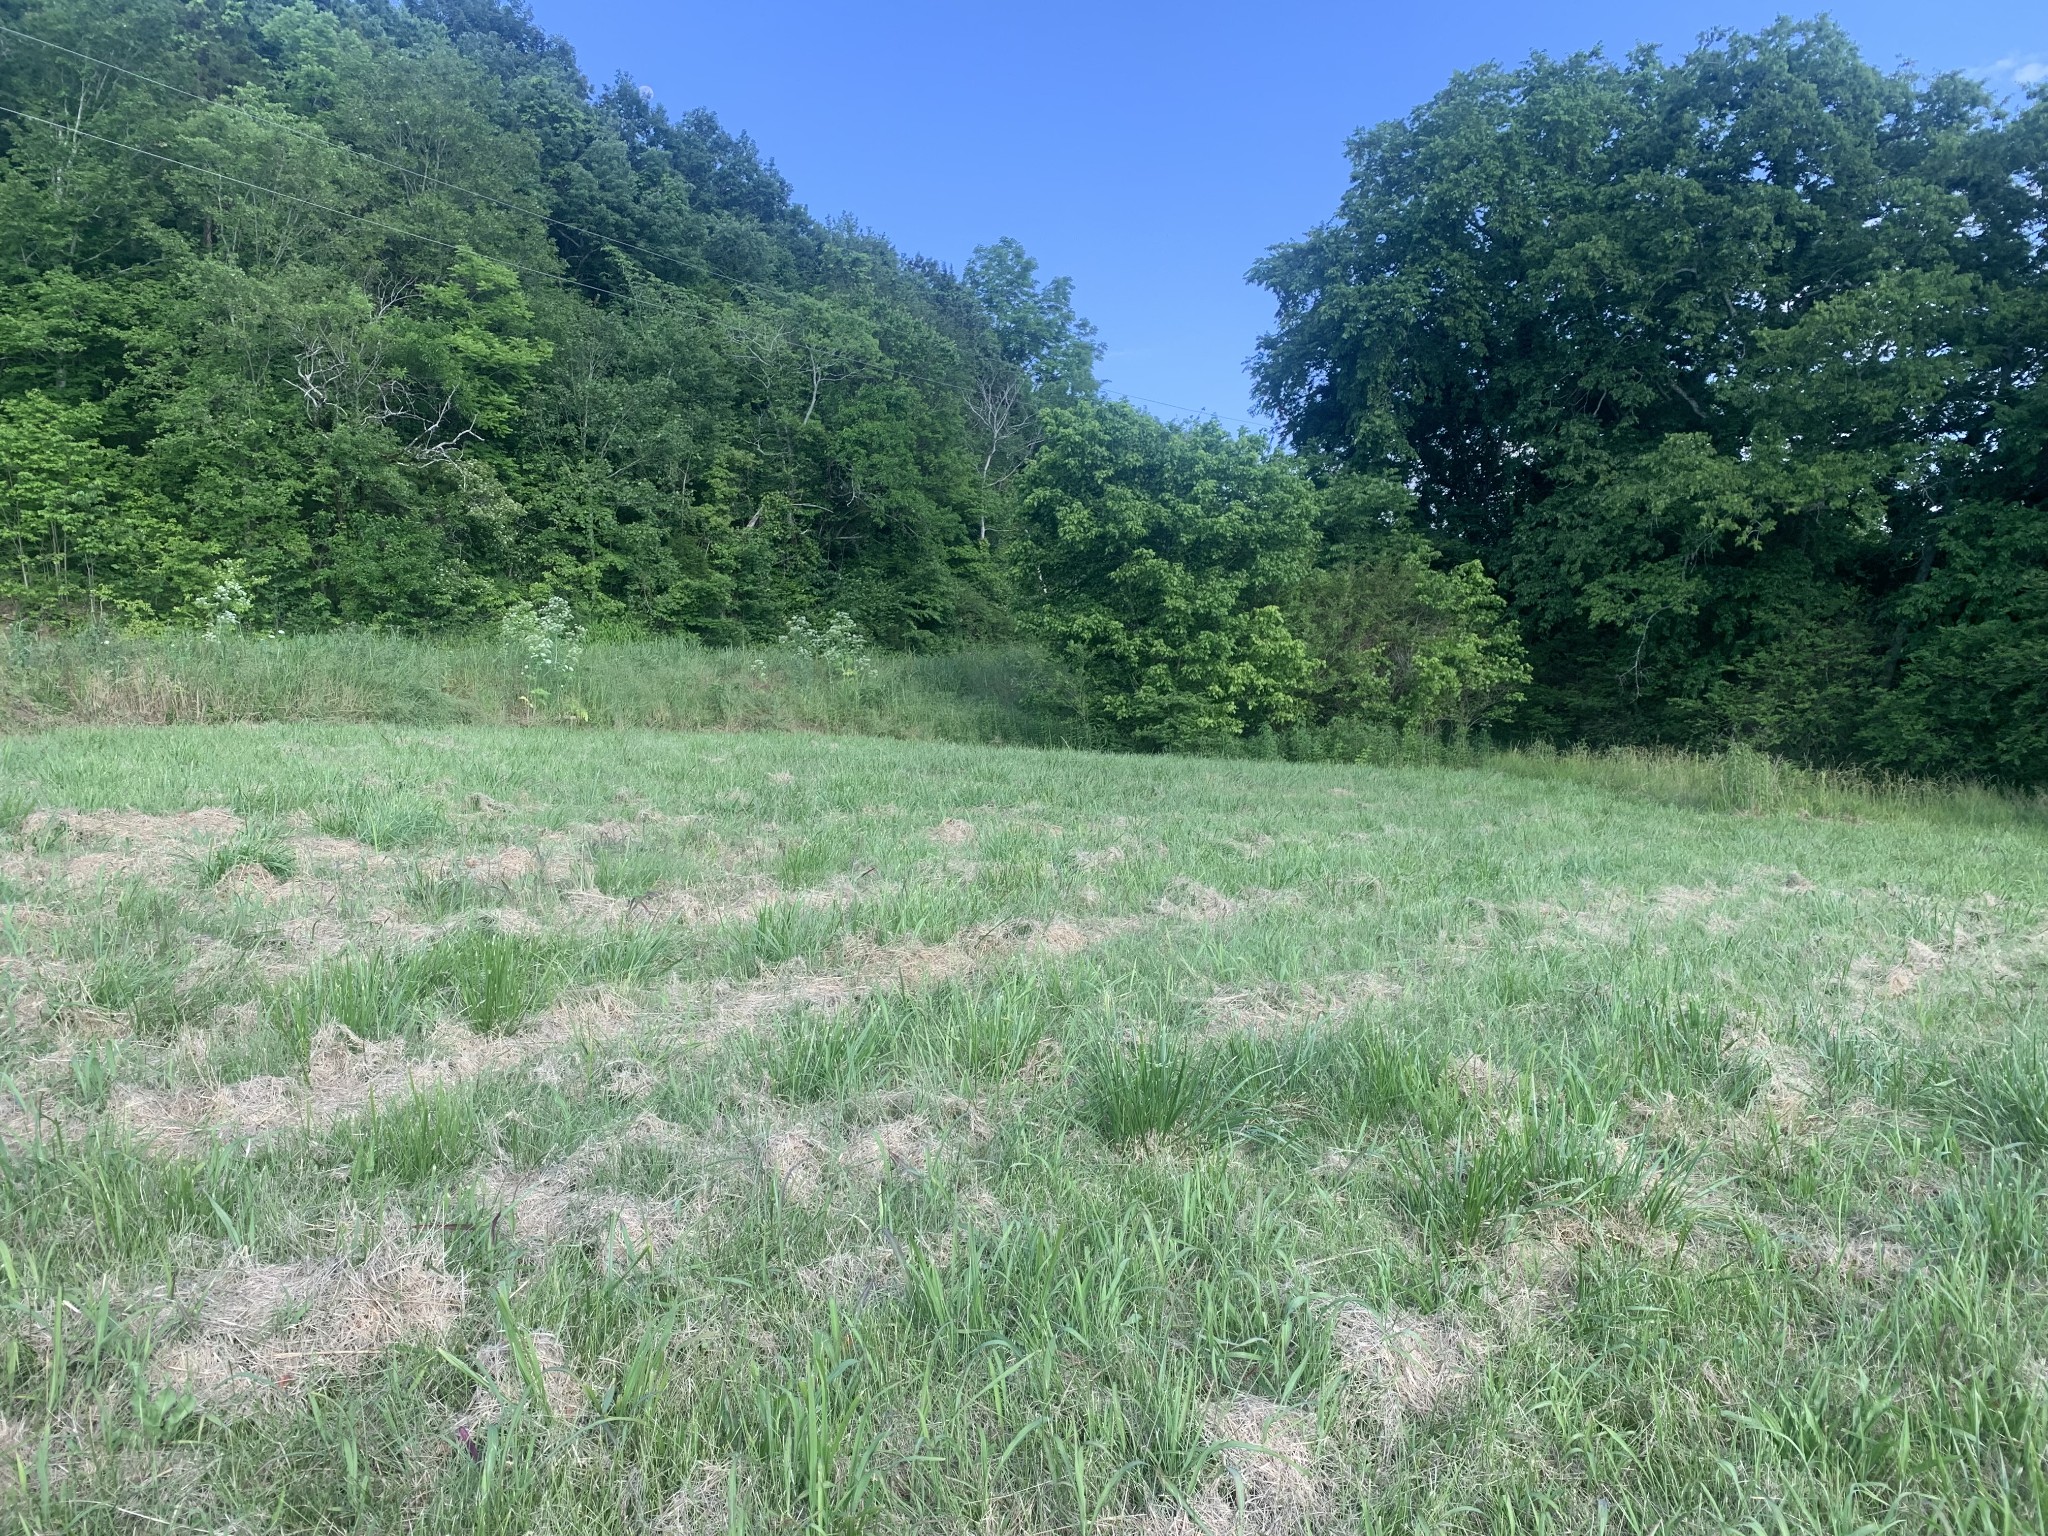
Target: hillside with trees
1623	401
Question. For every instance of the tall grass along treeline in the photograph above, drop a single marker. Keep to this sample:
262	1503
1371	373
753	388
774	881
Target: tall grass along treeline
1638	401
994	696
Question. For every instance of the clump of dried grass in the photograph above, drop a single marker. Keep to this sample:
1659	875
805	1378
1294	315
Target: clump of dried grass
798	1163
1279	1007
565	1394
567	1202
1192	901
137	828
902	1141
855	1276
701	1506
1404	1365
1478	1078
1264	1481
263	1332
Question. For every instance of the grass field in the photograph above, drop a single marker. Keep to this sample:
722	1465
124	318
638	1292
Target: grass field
491	1129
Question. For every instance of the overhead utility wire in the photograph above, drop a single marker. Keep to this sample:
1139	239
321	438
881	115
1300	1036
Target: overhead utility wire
1192	410
426	177
389	165
293	197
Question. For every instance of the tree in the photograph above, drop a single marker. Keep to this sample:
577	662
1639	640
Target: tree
1403	645
420	325
81	540
1034	322
1698	358
1159	557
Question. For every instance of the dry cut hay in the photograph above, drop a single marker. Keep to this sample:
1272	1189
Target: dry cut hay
567	1202
1867	1258
262	1332
1404	1365
701	1506
133	845
854	1277
140	829
1789	1081
1192	901
798	1162
1264	1482
347	1074
902	1142
1279	1007
564	1395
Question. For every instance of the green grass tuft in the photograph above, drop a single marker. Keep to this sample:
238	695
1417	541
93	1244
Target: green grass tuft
496	979
383	819
247	848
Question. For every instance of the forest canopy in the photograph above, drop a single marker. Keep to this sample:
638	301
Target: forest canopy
1672	401
1728	370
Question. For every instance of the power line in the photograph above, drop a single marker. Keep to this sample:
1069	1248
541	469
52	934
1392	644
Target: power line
1192	410
293	197
327	140
324	141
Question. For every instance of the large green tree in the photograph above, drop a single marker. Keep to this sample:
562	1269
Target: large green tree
1158	558
1727	369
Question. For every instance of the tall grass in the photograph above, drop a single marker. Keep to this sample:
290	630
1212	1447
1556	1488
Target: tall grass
991	695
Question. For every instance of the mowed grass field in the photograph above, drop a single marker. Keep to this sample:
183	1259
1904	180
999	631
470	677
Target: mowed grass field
566	1131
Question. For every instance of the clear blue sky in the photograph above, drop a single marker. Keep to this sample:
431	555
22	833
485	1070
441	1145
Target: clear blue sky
1150	151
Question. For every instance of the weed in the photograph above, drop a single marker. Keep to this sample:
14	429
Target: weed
988	1032
382	818
1458	1195
246	848
434	893
2003	1099
496	979
806	861
632	955
93	1073
1997	1215
426	1135
630	873
1158	1088
813	1437
1672	1045
819	1055
151	990
374	995
782	932
15	807
1364	1078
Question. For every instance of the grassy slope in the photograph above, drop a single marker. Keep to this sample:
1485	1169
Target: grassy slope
1034	1138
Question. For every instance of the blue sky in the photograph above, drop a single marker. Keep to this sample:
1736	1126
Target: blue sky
1150	151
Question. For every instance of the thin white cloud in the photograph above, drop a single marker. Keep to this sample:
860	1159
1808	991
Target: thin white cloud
2018	69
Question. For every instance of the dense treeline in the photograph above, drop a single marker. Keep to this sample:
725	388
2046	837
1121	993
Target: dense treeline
1729	371
347	313
386	306
1641	401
